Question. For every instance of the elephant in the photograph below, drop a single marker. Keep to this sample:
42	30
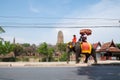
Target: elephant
76	48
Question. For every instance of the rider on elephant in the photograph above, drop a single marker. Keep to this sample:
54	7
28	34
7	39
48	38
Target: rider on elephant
83	38
74	40
81	47
84	33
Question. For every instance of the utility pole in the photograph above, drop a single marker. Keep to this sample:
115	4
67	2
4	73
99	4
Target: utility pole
119	23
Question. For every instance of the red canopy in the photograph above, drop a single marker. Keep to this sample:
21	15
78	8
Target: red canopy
86	31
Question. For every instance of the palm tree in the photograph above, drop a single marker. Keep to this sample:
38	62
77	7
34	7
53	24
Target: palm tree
1	31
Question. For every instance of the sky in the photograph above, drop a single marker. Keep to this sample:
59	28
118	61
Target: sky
27	20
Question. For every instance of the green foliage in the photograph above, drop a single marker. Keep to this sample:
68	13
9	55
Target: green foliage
61	47
23	59
118	45
18	49
63	57
43	49
46	51
9	59
6	47
29	50
50	51
26	45
1	30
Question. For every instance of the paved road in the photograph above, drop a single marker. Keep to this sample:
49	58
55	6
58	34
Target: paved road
60	73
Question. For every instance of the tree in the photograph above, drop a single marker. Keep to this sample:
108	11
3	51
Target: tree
1	30
45	50
18	49
26	45
50	53
61	47
63	57
1	48
118	45
6	47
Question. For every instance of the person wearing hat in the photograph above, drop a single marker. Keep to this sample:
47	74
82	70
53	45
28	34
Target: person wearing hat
83	38
83	34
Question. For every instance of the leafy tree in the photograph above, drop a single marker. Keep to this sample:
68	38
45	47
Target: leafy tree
63	57
45	50
6	47
18	49
118	45
61	47
26	45
50	53
1	47
1	30
29	50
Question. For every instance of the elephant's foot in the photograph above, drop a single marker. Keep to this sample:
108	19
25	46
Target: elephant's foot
95	62
85	61
77	62
67	62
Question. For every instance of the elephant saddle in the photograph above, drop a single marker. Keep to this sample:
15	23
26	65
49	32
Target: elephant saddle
86	47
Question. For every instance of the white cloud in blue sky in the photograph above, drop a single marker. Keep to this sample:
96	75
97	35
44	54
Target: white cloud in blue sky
33	9
102	9
60	8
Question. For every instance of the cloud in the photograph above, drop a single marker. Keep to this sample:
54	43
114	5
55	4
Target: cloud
102	13
33	9
106	9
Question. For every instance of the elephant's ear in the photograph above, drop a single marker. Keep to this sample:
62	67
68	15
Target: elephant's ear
68	43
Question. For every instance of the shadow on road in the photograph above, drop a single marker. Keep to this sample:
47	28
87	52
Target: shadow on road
100	72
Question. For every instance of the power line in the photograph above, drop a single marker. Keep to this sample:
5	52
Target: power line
9	22
61	26
52	24
46	23
23	17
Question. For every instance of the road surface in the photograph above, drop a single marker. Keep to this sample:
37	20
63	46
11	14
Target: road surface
60	73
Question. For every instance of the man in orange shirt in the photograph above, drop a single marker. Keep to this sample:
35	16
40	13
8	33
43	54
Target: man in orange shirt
74	40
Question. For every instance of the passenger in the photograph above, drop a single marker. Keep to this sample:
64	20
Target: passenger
83	38
74	40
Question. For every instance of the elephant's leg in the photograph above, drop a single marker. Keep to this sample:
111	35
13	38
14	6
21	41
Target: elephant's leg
77	57
74	50
77	51
93	54
94	57
87	56
68	56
